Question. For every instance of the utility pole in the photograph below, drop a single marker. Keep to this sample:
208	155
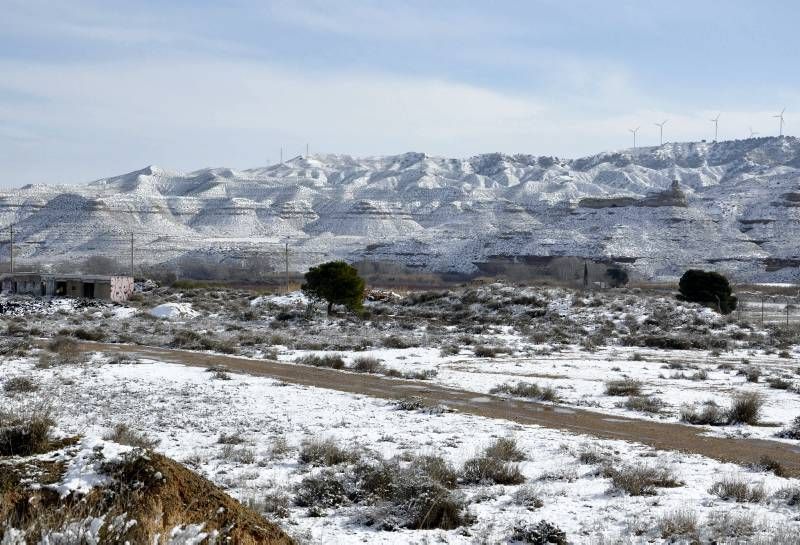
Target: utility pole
286	263
12	247
131	254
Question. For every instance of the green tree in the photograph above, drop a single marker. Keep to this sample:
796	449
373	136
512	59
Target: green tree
707	288
337	283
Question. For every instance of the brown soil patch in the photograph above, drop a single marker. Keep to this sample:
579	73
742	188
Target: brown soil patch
153	490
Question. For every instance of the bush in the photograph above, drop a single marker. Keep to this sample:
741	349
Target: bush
415	496
745	409
736	488
275	504
506	449
25	434
645	404
87	335
791	432
125	435
19	385
326	453
528	497
366	365
710	289
710	415
332	361
640	479
540	533
624	387
681	523
527	389
486	469
323	490
66	349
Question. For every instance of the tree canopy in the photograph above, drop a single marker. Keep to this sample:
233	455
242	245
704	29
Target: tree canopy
707	288
337	283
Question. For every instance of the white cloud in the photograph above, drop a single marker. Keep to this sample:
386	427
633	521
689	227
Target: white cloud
95	119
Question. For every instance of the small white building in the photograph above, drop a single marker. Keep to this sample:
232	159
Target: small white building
108	288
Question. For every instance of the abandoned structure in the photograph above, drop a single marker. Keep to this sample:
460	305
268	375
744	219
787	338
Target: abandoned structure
109	288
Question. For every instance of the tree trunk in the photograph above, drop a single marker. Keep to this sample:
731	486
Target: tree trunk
330	308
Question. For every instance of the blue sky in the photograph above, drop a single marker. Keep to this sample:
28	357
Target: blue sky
97	88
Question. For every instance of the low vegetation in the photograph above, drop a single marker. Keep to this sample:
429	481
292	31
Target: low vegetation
738	489
529	390
641	479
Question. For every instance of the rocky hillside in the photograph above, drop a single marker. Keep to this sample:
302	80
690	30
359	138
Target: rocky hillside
733	206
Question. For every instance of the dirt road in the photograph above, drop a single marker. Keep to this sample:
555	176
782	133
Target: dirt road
665	436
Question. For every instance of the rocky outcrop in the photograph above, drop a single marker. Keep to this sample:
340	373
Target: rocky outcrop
674	196
667	208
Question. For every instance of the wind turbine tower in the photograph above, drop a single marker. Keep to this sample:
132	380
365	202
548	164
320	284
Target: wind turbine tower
634	131
753	133
715	121
780	116
661	131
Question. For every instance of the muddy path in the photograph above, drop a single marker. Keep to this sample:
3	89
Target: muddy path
660	435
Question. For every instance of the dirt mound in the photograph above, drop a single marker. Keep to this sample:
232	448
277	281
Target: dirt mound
99	492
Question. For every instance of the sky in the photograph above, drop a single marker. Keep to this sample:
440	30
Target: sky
95	88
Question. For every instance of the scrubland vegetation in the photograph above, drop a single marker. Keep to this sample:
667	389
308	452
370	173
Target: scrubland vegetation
624	352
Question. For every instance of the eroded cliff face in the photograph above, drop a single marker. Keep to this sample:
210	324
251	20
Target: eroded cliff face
735	205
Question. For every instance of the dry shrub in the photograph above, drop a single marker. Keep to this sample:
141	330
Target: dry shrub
321	491
366	364
20	385
745	408
326	452
491	468
680	523
25	433
645	404
65	348
274	503
416	496
541	532
125	435
792	431
506	449
738	489
711	414
332	361
727	524
527	389
641	479
624	387
529	497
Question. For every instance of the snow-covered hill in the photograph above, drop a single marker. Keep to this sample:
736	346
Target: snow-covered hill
735	207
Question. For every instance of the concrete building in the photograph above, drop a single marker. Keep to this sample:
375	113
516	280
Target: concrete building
108	288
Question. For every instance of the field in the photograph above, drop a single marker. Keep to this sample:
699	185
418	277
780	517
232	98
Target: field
385	429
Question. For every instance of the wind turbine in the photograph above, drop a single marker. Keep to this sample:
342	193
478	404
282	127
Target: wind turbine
634	131
752	132
780	116
661	131
715	121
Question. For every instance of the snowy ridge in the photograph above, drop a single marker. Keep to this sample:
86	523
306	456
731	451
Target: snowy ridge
736	206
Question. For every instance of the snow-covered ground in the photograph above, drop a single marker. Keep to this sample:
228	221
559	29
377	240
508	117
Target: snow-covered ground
580	377
188	411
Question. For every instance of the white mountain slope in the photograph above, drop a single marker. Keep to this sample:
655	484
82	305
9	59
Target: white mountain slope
736	208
